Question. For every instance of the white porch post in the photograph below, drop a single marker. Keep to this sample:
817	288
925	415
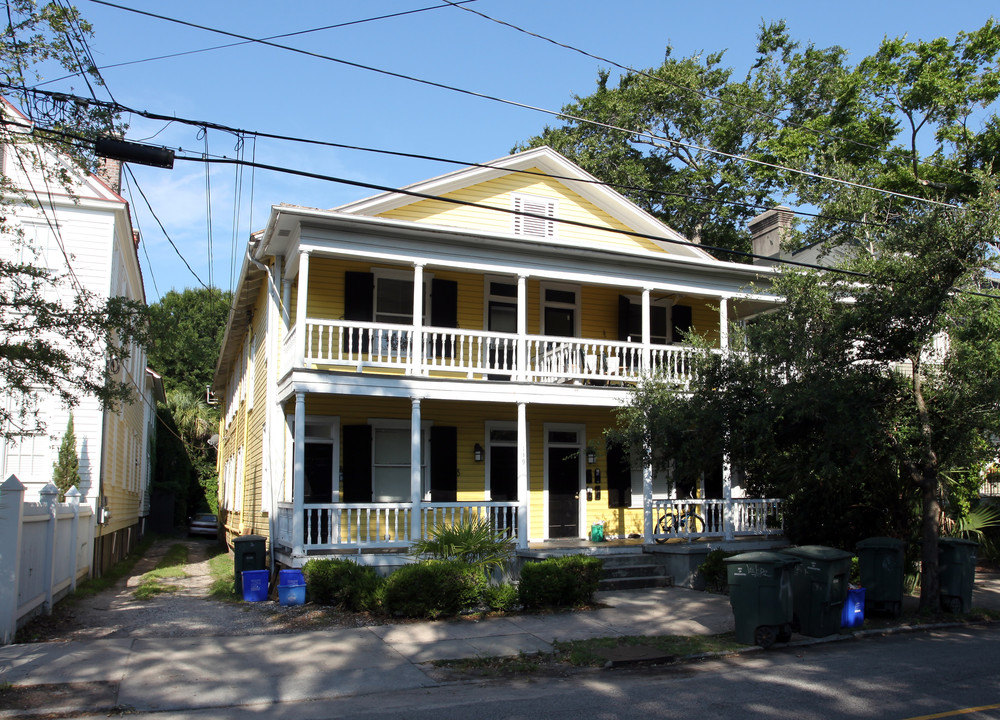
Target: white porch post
647	504
724	323
299	475
646	332
728	526
286	301
522	329
300	311
523	500
416	351
415	490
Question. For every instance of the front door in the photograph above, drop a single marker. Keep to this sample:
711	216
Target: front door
564	492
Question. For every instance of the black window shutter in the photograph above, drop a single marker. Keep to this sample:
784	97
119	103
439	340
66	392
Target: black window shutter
680	322
619	477
359	304
357	464
623	314
444	311
444	464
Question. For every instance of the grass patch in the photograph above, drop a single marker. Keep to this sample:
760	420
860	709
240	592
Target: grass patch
590	653
593	652
171	565
223	571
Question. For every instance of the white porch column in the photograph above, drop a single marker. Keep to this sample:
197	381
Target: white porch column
300	311
646	332
299	474
523	499
416	496
522	329
724	323
647	504
415	357
728	525
286	302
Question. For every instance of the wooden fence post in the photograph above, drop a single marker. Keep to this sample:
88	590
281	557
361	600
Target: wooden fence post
48	496
11	516
73	498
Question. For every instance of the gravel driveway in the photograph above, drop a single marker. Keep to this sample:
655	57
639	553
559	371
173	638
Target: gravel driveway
188	611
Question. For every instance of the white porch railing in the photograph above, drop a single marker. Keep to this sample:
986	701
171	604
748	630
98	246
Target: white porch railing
362	526
478	354
346	526
691	518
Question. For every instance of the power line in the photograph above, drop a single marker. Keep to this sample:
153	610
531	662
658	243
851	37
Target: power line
270	37
686	88
202	124
526	106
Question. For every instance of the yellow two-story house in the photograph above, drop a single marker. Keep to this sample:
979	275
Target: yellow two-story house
456	349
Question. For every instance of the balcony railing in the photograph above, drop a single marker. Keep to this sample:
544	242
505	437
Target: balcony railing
476	354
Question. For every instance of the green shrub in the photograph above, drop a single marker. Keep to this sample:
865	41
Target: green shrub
501	597
433	588
569	581
342	583
713	571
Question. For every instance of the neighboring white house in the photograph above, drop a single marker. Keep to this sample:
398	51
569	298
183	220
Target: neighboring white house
88	232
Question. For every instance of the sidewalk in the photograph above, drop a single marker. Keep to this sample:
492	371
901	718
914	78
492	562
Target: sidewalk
205	672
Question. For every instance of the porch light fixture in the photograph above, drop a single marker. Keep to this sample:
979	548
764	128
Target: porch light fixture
591	456
477	452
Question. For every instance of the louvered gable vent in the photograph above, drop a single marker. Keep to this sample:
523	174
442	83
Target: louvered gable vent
534	206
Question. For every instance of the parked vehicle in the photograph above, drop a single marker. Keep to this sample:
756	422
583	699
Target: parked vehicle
204	524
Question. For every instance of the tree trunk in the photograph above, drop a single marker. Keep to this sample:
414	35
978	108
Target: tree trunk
930	587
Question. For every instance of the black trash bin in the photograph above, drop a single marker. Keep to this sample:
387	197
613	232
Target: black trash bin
957	573
881	562
760	593
249	553
819	588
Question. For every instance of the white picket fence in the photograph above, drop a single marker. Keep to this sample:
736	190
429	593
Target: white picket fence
45	547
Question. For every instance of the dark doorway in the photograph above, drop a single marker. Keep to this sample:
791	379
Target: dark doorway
564	492
503	482
318	489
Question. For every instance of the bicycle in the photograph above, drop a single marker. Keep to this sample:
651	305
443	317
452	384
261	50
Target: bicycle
674	524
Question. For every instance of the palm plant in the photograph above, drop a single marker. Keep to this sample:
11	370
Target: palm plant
472	541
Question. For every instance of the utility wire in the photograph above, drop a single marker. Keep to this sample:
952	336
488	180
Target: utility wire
270	37
201	124
704	95
526	106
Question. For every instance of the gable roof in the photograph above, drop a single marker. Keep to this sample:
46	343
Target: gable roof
551	164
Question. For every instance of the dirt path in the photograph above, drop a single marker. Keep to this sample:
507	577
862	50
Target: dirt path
186	611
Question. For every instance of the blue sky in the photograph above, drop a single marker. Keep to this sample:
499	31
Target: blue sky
254	87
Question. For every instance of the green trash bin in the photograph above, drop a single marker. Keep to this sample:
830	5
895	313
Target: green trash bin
957	573
819	588
882	564
249	553
760	593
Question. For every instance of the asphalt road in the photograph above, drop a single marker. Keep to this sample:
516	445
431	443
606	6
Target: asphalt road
945	673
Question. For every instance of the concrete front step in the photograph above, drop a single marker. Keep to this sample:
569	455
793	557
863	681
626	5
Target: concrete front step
634	583
628	571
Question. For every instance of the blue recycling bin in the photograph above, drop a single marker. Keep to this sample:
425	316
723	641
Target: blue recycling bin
853	615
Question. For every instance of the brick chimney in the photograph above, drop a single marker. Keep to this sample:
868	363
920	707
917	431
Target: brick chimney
768	230
110	171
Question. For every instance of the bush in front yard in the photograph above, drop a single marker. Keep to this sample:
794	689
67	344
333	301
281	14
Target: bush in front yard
342	583
432	589
568	581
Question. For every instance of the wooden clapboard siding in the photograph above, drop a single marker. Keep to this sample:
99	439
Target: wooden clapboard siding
497	193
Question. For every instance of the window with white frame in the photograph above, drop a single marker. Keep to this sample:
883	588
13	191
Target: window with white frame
533	215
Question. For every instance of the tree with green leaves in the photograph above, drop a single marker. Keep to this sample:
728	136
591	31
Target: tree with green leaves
706	149
870	401
187	330
56	337
66	469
